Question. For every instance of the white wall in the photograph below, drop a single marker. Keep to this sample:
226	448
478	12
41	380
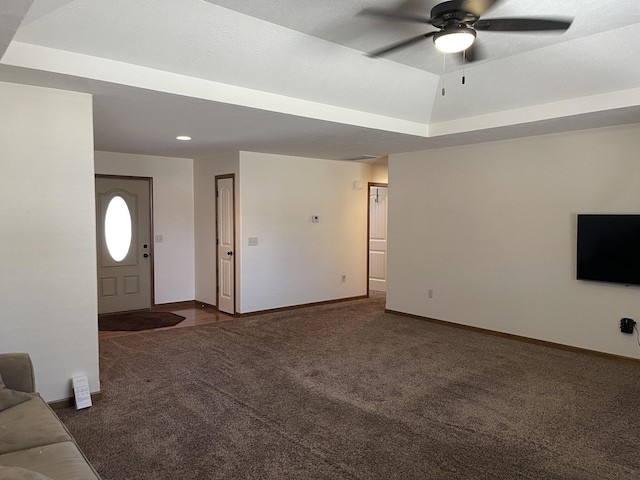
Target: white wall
204	172
173	217
491	228
47	220
297	261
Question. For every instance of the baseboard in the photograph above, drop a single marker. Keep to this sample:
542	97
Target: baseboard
182	304
125	311
303	305
70	402
520	338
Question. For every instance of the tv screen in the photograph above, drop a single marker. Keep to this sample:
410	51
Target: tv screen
609	248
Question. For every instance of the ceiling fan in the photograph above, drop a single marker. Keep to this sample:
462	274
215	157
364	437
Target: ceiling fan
457	22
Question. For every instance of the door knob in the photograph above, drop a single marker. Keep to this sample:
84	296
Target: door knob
145	255
229	253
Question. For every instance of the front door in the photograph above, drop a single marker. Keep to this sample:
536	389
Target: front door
226	244
378	237
123	234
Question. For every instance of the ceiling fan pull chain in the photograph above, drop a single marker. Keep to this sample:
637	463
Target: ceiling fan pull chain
464	63
444	70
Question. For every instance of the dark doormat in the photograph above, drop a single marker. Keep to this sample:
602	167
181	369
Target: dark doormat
133	321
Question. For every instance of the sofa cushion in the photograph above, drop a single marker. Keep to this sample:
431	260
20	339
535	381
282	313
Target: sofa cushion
19	473
30	424
10	398
17	372
57	461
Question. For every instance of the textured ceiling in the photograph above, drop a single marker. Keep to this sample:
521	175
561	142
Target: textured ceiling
290	76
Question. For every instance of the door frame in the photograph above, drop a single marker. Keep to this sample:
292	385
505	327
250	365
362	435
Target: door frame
369	185
149	181
232	176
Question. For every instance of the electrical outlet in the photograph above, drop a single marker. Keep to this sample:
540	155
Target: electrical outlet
626	325
430	293
344	278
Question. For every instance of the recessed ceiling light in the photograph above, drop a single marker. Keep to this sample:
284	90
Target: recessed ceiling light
183	137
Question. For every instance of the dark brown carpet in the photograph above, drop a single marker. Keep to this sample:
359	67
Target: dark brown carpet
134	321
345	391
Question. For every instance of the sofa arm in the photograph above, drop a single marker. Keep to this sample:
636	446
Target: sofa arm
16	370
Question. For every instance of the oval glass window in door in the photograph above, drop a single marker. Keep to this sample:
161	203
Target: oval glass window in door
117	228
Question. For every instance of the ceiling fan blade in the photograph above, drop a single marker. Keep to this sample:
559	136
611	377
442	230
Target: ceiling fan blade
393	15
522	24
477	7
399	45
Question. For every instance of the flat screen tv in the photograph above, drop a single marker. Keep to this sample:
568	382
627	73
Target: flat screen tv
609	248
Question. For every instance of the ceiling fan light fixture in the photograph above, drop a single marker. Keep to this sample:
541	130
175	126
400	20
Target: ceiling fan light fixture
454	39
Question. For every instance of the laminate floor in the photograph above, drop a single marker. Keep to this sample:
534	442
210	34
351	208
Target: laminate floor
194	315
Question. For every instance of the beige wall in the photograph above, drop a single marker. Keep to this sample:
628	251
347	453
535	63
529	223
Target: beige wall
491	229
297	261
173	217
380	171
47	220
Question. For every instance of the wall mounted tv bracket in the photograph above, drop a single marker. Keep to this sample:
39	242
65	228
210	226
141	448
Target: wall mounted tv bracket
626	325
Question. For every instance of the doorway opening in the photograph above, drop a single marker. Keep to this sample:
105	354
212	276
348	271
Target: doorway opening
377	237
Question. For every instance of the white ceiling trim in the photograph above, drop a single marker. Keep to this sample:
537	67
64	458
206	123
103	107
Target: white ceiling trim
79	65
111	71
550	111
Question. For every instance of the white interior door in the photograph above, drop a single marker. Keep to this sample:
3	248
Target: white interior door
124	250
378	238
226	244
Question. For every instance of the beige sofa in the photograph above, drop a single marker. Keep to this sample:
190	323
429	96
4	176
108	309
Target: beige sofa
34	443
